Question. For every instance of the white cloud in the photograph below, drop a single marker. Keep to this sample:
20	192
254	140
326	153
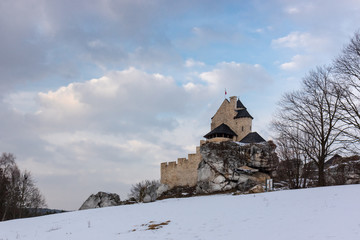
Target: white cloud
308	50
192	63
292	10
133	93
236	77
22	102
96	44
189	86
297	62
298	40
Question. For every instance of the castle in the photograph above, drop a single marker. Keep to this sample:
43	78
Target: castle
231	122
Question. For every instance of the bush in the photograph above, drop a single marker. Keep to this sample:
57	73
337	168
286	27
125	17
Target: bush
145	191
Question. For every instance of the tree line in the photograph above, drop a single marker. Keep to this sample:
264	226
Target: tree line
320	119
19	196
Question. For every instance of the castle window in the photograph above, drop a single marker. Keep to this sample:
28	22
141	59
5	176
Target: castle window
242	128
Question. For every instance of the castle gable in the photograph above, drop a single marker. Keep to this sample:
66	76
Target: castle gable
223	108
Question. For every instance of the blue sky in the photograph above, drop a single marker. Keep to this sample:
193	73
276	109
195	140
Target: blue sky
94	95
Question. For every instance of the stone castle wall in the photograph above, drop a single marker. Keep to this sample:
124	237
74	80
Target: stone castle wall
226	114
183	172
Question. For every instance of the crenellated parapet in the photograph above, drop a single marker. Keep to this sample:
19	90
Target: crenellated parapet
182	172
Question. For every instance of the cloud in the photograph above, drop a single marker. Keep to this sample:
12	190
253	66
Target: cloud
192	63
297	62
302	41
236	77
292	10
309	50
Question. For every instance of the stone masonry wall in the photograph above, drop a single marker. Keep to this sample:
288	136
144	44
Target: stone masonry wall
181	173
226	114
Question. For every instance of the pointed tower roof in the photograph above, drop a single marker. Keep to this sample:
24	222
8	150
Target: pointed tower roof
239	104
243	113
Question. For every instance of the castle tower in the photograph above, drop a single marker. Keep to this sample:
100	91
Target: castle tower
231	121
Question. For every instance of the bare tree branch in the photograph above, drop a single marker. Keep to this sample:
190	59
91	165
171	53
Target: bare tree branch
308	121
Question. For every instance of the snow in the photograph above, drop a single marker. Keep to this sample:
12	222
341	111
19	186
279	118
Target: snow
317	213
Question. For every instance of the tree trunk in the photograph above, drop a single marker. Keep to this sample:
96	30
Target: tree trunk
321	180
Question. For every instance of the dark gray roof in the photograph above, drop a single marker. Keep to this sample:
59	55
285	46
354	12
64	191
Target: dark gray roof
222	129
239	104
243	113
252	137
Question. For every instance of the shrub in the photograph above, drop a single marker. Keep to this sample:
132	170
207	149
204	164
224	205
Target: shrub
145	191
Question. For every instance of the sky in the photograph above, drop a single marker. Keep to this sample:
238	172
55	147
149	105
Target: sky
95	94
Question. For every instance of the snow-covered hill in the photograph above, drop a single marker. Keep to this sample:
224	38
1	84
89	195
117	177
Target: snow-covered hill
317	213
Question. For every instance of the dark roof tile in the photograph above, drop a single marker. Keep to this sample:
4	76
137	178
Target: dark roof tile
222	129
252	137
239	104
243	113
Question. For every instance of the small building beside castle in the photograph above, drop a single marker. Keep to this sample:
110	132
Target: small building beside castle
231	122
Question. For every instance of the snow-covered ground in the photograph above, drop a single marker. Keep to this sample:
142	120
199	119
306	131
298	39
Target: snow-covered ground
317	213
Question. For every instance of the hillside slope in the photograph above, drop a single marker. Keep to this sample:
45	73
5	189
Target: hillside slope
317	213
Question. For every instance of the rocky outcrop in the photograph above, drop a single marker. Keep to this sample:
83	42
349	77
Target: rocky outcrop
230	165
261	156
161	189
101	199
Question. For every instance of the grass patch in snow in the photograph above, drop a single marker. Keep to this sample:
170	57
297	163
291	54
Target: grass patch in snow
154	226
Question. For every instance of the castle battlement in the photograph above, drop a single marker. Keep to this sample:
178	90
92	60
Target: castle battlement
182	172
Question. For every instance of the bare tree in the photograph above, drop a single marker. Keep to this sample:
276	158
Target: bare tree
29	195
310	118
18	193
9	172
292	161
141	189
347	68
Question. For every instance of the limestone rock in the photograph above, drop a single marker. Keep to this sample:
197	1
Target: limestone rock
227	165
101	199
257	189
260	155
147	199
150	197
161	189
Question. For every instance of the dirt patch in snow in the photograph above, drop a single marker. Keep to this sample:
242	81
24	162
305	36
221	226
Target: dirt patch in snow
152	225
